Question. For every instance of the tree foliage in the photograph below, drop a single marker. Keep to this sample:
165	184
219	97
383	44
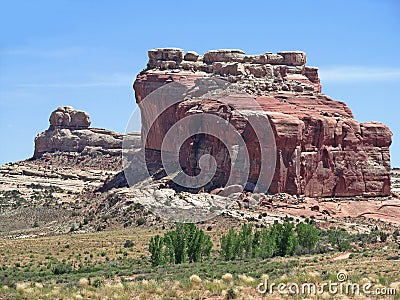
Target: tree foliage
280	239
186	243
340	238
308	236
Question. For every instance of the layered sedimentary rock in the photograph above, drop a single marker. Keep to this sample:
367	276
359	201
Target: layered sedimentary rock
69	131
321	150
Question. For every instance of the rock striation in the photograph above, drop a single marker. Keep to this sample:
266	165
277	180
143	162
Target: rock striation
69	131
321	150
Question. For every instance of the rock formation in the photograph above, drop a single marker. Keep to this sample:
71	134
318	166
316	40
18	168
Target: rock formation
321	149
69	131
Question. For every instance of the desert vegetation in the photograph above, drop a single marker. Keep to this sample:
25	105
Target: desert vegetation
280	239
194	262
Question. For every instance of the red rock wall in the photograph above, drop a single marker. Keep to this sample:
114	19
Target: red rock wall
321	149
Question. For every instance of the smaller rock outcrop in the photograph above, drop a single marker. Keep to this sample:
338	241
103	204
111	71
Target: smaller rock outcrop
68	117
69	131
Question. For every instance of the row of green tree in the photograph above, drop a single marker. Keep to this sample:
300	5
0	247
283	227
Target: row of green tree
187	243
280	239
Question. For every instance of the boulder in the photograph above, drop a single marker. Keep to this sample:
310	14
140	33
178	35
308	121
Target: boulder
232	69
229	190
293	58
223	55
191	56
174	54
68	117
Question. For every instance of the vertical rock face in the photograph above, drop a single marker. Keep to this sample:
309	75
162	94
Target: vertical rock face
321	150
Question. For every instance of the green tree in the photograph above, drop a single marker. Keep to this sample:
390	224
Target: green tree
228	245
285	239
340	238
267	243
186	243
169	251
307	235
179	239
246	240
156	249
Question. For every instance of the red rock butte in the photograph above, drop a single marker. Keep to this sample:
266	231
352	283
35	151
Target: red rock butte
322	151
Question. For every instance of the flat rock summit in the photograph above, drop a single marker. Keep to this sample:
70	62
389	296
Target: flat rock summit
321	150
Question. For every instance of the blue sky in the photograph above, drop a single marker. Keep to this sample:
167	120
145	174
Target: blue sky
87	54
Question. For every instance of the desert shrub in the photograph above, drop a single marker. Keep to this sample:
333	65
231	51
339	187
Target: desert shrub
230	294
140	221
186	243
97	282
138	206
128	244
383	236
61	268
340	238
6	280
88	218
104	218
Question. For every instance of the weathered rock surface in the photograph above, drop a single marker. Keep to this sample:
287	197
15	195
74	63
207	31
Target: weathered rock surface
68	117
69	131
321	149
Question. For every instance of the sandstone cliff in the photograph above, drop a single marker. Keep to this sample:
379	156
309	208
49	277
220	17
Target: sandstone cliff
321	150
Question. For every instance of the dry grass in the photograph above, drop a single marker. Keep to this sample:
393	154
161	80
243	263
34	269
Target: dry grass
115	272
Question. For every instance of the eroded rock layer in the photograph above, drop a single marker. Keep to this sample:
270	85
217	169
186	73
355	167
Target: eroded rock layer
69	131
321	149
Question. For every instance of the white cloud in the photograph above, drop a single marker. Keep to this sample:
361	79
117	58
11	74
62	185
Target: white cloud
358	73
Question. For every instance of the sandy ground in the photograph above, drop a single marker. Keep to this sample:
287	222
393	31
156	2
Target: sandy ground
384	209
